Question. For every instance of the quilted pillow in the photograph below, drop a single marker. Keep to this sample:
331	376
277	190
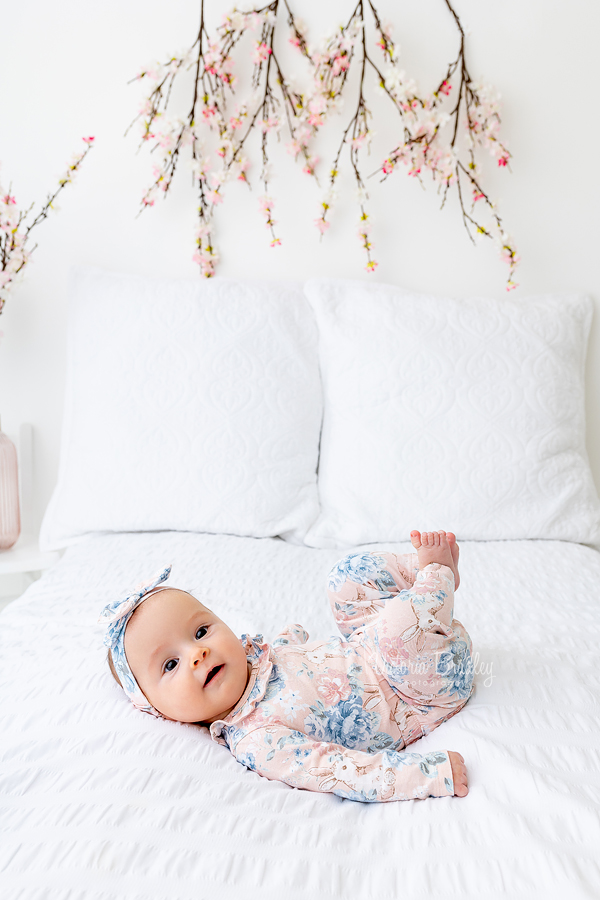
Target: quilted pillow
466	415
190	406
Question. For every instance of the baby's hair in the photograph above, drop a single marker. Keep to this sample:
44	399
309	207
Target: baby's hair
112	668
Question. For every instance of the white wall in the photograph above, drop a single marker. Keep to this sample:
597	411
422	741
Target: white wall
64	68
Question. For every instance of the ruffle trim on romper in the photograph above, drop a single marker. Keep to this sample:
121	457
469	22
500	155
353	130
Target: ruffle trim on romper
258	652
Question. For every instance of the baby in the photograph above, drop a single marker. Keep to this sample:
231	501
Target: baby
331	715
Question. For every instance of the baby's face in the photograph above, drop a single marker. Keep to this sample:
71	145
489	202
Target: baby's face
188	663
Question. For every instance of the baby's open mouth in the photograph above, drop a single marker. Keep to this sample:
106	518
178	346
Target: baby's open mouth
214	671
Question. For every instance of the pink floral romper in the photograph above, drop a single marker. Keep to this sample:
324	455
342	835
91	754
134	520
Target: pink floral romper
335	715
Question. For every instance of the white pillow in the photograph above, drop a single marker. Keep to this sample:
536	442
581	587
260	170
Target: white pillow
191	406
465	415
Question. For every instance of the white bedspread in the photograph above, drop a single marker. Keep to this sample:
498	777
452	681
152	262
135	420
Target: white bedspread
103	803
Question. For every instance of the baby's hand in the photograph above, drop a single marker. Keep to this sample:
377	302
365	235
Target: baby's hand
459	774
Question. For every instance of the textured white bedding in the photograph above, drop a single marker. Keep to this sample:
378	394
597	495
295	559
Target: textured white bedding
100	801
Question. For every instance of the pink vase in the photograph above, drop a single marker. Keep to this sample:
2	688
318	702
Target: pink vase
10	519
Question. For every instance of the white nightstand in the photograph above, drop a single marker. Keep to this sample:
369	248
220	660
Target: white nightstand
25	560
23	563
26	557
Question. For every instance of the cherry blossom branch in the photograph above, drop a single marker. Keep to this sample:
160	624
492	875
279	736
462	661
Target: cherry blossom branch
424	121
360	136
14	252
210	113
441	141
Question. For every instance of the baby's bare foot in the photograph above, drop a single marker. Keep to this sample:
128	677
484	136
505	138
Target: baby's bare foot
455	554
435	547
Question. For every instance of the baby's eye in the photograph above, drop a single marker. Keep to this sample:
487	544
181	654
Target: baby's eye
170	665
201	632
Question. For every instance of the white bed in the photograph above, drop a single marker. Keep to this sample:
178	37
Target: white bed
99	802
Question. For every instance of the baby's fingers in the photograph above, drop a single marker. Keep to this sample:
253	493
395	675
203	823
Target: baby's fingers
459	774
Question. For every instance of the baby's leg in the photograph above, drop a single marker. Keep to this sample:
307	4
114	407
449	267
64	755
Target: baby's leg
361	584
421	650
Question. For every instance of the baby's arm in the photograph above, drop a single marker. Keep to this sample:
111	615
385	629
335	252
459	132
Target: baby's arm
282	754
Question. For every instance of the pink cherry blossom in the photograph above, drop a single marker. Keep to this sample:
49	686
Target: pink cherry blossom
340	64
214	197
318	104
265	204
260	53
359	141
269	124
239	168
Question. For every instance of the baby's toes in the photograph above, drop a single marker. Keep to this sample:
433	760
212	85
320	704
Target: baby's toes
415	539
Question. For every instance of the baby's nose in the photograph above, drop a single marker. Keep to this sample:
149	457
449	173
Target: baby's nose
198	656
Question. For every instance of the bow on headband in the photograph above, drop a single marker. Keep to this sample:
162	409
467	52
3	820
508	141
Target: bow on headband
116	616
